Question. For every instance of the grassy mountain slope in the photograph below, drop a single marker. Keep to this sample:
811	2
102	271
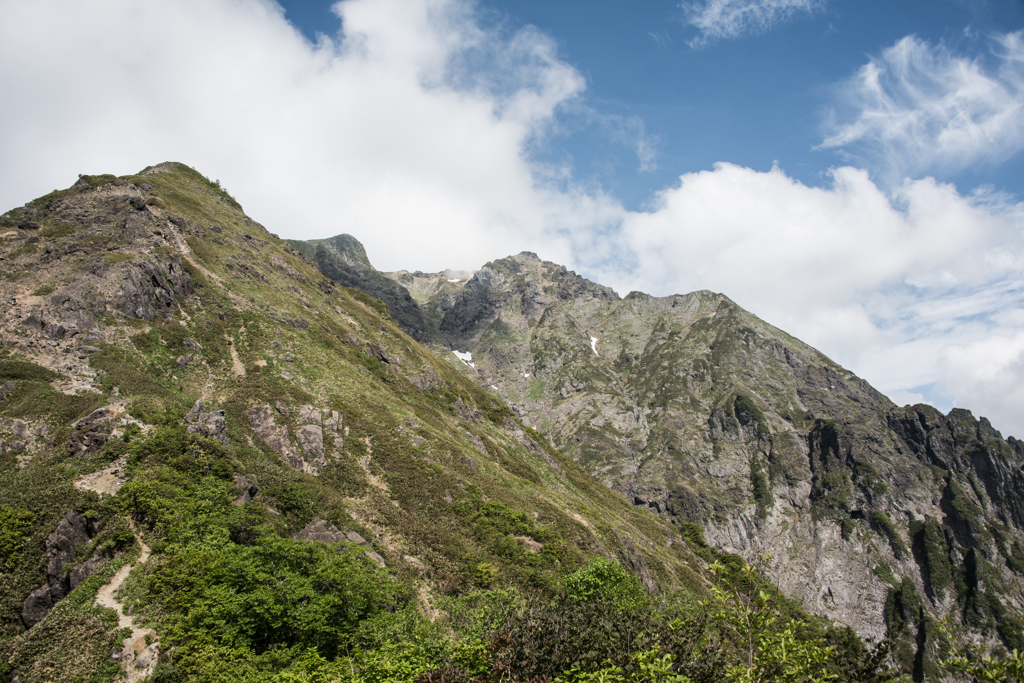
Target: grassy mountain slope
135	298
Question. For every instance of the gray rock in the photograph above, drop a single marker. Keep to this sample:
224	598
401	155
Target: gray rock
60	551
249	490
193	414
415	563
379	353
19	429
37	605
331	424
88	350
353	537
376	558
150	289
84	571
637	562
309	415
212	425
90	433
311	440
321	531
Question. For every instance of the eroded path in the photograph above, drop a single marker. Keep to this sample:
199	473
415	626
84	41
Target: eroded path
138	656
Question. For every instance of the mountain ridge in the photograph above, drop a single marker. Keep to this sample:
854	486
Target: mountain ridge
700	412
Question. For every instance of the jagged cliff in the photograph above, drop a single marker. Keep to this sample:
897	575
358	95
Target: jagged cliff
875	516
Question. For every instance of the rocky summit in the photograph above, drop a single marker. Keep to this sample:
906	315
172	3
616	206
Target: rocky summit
698	411
227	456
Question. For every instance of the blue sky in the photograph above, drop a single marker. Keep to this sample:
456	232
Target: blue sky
761	97
851	172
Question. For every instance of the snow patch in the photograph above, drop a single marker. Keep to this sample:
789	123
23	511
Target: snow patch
466	357
593	345
455	280
526	374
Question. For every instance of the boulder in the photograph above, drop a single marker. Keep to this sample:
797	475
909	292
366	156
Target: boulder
37	605
322	531
211	425
90	433
249	490
333	423
84	571
60	551
309	415
311	440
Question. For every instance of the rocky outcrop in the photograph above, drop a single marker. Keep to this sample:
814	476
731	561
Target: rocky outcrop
90	434
322	531
152	289
61	578
344	261
310	437
211	425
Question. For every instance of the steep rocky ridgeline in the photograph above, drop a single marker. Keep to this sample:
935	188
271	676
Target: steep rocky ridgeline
874	515
166	360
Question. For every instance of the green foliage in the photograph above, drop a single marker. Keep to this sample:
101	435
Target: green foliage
930	542
762	489
881	523
902	606
746	412
15	525
277	593
23	370
44	290
605	580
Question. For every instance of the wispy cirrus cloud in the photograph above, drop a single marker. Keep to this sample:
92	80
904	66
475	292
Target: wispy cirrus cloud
919	108
724	19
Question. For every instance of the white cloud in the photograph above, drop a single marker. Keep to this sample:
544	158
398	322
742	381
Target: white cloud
919	108
414	122
723	19
907	288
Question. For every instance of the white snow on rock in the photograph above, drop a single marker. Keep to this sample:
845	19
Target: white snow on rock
466	357
593	345
455	280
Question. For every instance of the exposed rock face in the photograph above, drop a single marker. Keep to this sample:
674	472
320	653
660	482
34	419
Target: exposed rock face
60	551
152	289
61	546
344	261
211	425
37	606
310	438
322	531
90	434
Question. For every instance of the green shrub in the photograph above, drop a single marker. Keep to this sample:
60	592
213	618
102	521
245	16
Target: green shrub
881	523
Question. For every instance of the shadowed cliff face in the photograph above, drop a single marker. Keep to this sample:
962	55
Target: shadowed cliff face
699	411
343	260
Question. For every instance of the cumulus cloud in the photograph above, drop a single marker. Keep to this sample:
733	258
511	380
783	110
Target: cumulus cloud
411	123
894	285
919	108
724	19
